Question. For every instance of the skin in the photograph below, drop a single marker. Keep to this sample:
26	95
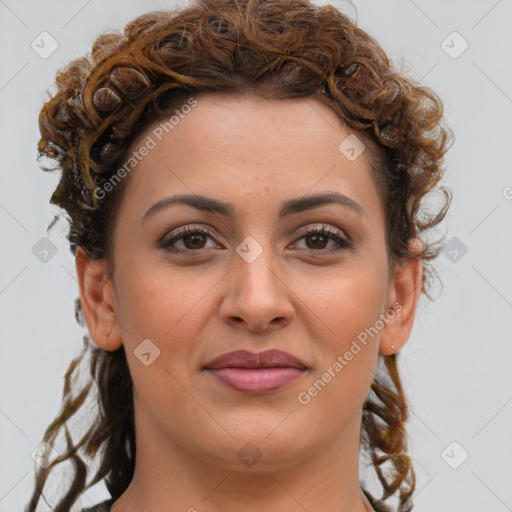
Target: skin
189	428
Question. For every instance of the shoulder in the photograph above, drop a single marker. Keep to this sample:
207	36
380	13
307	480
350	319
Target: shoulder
104	506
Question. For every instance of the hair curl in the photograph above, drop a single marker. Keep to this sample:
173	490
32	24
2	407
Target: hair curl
276	49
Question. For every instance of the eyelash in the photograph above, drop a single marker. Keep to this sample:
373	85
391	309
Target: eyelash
166	242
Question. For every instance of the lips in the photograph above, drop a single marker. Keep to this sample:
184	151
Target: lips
245	359
258	373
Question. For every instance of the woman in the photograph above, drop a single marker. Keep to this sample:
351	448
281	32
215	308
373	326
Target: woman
244	182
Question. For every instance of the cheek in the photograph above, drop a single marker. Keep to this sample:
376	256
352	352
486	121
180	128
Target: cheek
154	304
170	309
348	302
348	309
170	314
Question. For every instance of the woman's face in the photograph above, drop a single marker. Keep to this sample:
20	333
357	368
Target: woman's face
256	281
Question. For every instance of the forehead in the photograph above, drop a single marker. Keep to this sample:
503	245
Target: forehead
244	149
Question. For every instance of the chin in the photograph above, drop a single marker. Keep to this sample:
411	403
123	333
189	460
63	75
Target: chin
258	448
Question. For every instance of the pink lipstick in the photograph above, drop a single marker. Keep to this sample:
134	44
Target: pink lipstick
256	372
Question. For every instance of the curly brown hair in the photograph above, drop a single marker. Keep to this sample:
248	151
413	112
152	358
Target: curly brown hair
276	49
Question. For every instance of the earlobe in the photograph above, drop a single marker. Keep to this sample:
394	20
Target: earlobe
405	289
98	301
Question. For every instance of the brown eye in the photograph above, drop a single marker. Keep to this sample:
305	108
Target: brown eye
319	237
193	238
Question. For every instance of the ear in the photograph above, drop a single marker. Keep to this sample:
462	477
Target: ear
404	291
97	299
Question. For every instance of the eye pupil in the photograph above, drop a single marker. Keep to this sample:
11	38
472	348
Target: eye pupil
316	237
195	236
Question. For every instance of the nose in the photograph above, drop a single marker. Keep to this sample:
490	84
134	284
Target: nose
257	297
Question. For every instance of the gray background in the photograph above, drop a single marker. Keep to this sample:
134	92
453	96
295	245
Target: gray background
456	366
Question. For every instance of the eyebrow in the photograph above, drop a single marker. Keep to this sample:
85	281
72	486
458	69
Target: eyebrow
289	207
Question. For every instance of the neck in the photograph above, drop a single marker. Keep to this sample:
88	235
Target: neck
170	477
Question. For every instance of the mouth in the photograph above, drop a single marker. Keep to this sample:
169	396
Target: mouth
256	373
